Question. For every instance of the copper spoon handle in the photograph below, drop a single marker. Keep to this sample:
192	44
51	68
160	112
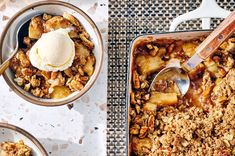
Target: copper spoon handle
212	42
23	21
4	66
6	63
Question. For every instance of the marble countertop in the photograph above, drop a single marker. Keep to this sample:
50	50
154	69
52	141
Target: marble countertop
62	131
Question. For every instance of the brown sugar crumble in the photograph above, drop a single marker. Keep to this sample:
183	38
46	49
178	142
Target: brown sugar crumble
45	84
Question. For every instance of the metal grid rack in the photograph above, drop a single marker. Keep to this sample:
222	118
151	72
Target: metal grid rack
128	19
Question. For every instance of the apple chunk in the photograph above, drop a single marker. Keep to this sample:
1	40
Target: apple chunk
163	99
149	64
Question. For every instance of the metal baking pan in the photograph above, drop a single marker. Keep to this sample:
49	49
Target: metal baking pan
172	35
182	35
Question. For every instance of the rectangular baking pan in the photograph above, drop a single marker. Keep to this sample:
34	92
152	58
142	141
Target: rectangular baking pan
202	12
186	35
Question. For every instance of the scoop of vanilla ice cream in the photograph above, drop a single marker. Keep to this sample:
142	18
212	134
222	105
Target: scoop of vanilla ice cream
54	51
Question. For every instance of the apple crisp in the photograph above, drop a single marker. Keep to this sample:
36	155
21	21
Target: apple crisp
15	149
202	122
45	84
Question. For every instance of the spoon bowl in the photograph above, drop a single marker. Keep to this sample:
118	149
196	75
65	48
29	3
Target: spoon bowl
20	30
175	74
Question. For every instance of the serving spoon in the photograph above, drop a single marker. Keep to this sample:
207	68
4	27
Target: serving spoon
20	28
179	73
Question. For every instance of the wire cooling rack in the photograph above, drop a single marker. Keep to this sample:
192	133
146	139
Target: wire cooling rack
128	19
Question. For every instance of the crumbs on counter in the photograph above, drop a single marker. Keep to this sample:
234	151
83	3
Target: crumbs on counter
70	106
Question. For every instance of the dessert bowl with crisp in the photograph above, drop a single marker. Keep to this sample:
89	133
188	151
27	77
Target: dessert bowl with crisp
60	55
15	141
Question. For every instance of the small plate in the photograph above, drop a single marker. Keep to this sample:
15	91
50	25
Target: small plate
14	134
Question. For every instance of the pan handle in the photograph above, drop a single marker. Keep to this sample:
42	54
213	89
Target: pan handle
207	10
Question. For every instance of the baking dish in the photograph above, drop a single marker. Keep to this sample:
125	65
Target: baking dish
172	35
183	35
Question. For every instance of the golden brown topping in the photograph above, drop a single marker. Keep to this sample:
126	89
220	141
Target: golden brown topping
15	64
19	81
149	46
77	82
137	107
189	48
136	80
35	82
27	87
46	17
36	28
56	22
89	66
231	45
73	33
74	21
24	61
135	129
27	72
82	52
161	51
75	85
132	113
69	72
83	36
58	81
144	85
46	75
80	71
170	48
146	97
141	119
133	101
151	123
207	86
15	149
54	75
143	132
84	79
37	92
61	83
224	45
27	41
154	51
139	144
193	74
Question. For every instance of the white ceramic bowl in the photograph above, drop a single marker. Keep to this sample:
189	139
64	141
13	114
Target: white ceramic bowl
14	134
7	43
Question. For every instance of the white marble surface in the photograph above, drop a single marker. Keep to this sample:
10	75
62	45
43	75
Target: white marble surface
63	132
